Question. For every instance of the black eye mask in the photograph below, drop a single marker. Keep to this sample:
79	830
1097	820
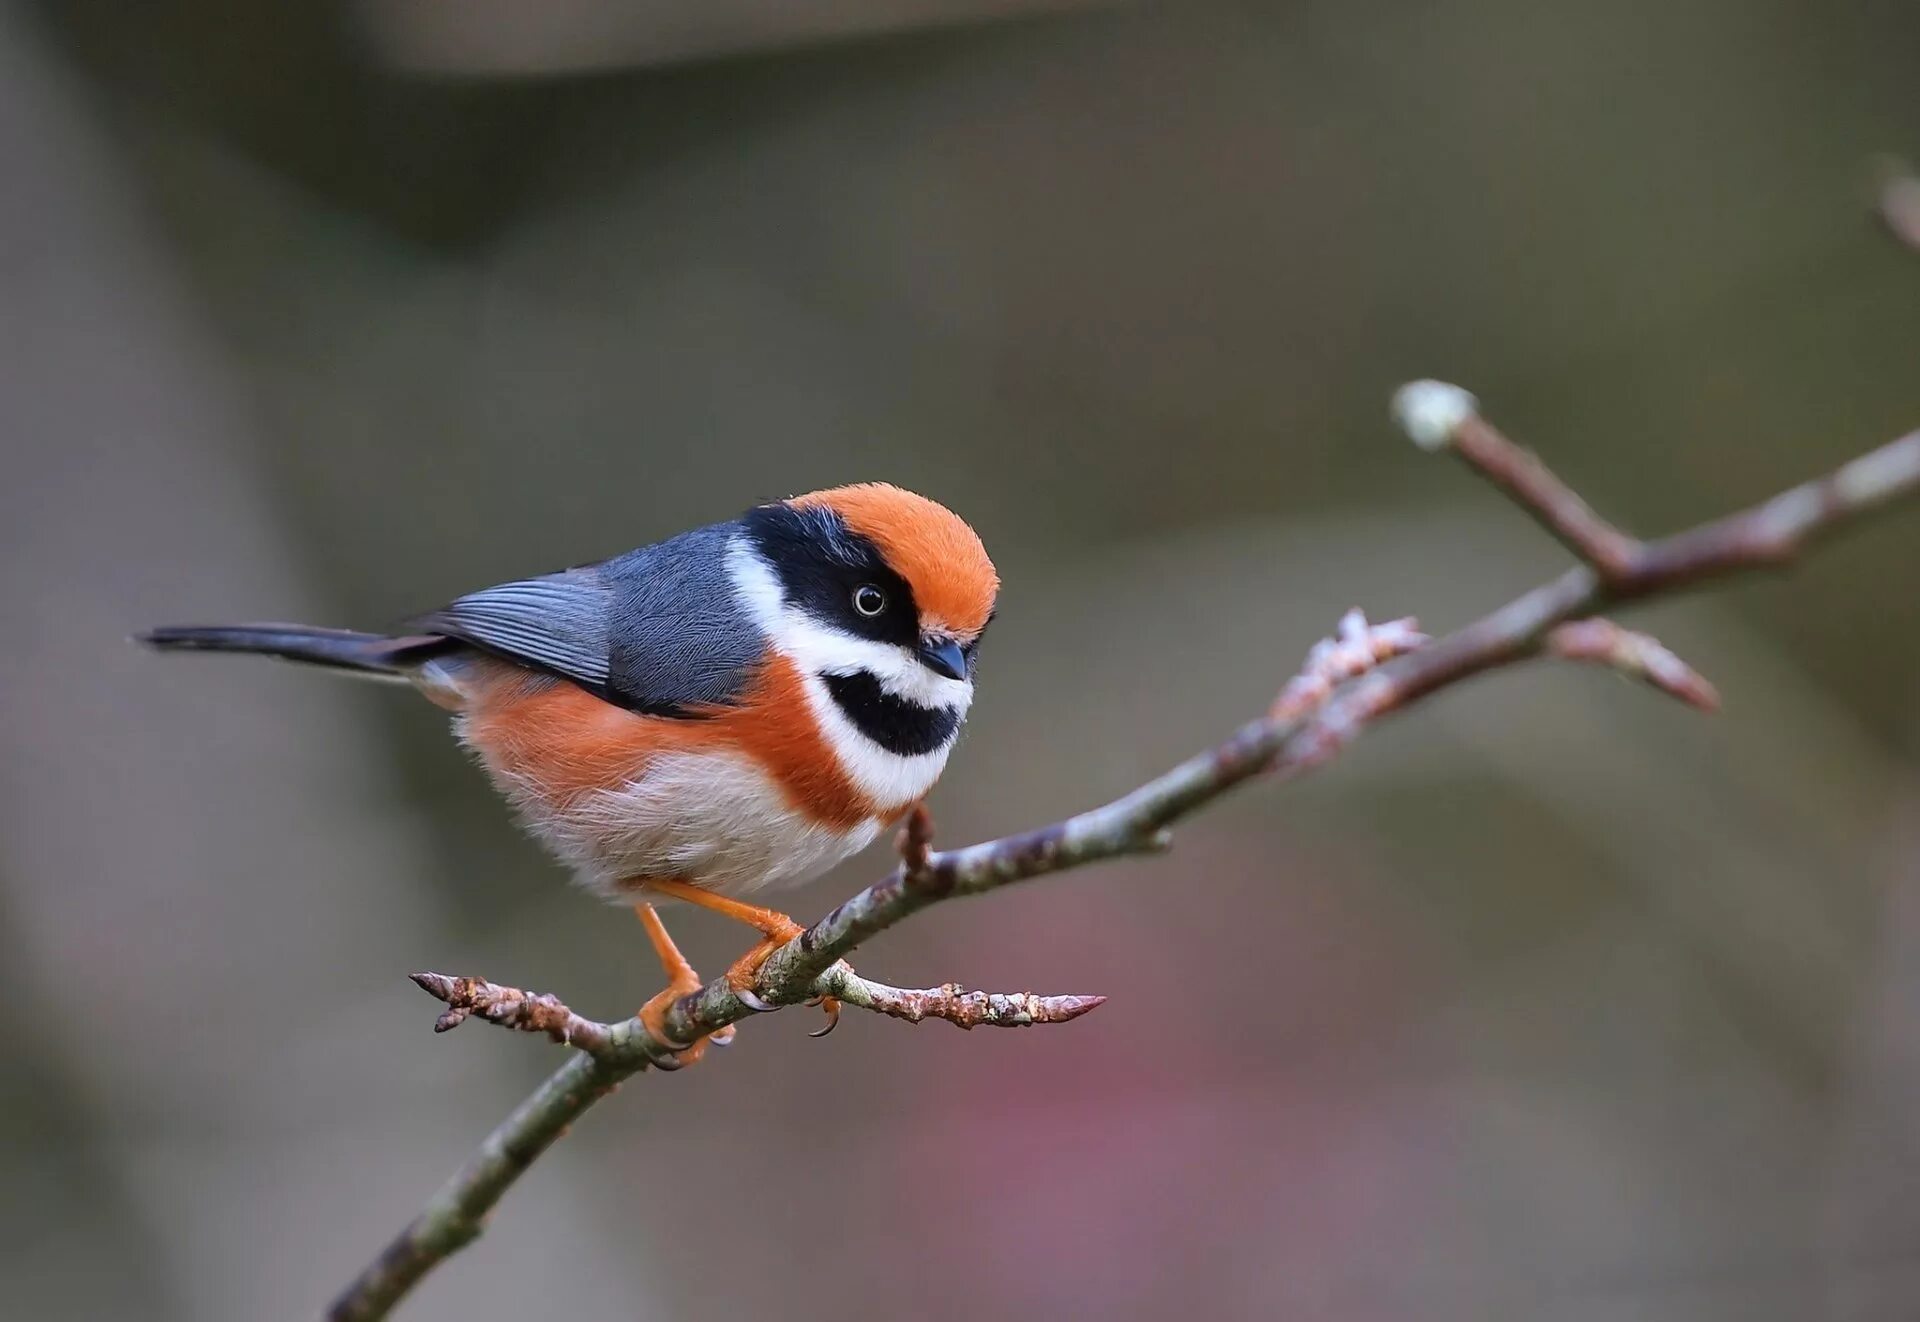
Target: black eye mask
821	563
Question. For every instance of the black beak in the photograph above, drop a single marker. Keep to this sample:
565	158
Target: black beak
943	657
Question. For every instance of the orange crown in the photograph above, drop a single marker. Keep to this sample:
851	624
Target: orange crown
954	583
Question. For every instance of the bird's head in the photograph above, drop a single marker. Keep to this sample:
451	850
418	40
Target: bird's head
873	587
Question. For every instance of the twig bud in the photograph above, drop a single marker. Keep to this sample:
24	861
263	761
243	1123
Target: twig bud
1429	412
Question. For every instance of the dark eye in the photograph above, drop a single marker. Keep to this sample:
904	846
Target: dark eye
869	600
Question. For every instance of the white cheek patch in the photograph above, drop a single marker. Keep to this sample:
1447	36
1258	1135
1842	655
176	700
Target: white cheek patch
890	779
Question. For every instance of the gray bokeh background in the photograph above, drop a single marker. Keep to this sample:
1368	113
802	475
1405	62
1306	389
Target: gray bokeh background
1550	1000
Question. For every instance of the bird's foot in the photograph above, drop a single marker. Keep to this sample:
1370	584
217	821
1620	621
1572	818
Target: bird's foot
681	981
745	971
775	928
653	1016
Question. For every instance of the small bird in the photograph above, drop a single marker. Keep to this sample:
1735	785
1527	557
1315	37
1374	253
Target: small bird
731	710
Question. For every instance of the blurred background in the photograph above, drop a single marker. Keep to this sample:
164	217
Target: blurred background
1550	1000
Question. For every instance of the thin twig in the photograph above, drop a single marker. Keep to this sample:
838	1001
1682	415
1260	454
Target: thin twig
1438	416
955	1004
540	1013
1302	731
1637	655
512	1008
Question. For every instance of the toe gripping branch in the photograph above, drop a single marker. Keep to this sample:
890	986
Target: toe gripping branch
646	1039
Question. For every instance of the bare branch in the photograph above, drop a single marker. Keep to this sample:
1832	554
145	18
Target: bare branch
1438	416
1775	532
956	1005
512	1008
532	1012
1349	683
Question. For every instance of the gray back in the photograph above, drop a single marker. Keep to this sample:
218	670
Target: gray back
657	630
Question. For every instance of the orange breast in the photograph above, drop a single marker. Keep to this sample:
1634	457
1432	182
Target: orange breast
561	742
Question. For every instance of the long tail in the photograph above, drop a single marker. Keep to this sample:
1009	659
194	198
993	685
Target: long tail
373	655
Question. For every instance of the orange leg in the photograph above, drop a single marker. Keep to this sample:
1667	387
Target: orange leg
776	927
681	980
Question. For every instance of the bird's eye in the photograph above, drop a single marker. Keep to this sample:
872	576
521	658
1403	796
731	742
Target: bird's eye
869	600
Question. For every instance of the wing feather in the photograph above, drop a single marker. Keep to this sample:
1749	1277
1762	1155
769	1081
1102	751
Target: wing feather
557	623
655	630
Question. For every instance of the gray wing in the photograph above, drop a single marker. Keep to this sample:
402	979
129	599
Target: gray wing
656	630
557	623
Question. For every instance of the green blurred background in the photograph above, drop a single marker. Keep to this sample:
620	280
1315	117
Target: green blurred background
1550	1000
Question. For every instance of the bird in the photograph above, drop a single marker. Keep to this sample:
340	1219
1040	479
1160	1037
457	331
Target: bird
730	711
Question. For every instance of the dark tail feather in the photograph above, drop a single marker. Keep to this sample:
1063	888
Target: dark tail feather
370	654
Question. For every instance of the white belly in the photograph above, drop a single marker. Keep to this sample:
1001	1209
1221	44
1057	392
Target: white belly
713	819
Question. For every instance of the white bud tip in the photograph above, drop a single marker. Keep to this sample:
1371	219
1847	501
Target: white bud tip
1430	412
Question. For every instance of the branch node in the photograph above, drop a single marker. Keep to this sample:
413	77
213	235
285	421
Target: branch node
1430	412
1355	648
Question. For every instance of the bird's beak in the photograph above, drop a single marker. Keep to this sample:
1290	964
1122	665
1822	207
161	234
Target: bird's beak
943	657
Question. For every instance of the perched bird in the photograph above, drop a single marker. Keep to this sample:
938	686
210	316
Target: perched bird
733	709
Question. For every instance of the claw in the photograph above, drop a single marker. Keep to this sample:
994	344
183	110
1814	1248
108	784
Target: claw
653	1018
831	1004
746	969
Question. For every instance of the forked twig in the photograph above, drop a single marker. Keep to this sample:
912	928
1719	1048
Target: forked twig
1364	673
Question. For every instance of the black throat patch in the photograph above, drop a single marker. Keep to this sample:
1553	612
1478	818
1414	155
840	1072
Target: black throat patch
899	726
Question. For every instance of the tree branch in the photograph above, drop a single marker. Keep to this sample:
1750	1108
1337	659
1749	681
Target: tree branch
532	1012
1351	681
953	1003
